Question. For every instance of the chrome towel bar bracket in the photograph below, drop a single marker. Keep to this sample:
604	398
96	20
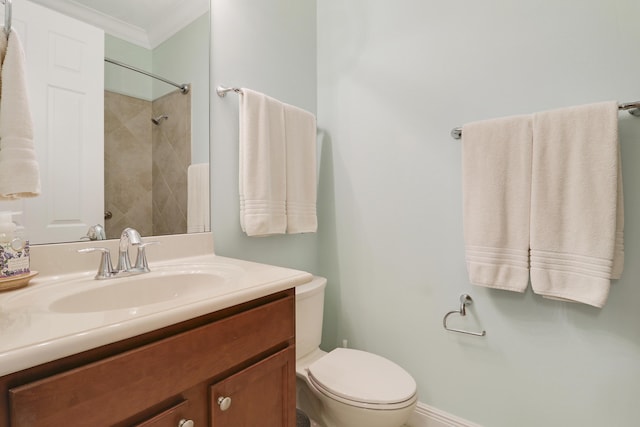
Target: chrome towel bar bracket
465	300
222	91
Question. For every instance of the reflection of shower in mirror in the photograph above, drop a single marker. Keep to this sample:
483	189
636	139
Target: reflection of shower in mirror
119	103
157	120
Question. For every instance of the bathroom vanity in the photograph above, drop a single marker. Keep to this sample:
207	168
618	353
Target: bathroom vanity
226	359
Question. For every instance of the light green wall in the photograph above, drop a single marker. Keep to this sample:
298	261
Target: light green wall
183	58
121	80
393	79
269	46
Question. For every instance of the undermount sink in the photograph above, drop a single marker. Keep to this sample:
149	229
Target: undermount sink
137	291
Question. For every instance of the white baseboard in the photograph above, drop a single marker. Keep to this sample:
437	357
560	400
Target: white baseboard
428	416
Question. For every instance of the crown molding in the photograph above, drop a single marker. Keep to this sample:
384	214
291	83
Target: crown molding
150	38
178	20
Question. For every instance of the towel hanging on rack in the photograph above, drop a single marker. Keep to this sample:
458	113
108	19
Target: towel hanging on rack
542	199
277	165
496	201
576	219
262	169
19	170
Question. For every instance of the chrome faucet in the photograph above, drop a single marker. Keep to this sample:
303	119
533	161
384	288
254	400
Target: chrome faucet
95	232
128	236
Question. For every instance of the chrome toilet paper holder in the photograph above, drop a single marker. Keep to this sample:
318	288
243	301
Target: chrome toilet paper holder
465	300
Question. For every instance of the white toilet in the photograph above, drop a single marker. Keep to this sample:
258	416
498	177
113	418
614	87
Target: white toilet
345	387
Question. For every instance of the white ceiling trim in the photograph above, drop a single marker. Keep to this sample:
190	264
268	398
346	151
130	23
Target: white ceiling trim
161	30
179	19
109	24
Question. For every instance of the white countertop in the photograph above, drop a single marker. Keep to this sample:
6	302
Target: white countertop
32	334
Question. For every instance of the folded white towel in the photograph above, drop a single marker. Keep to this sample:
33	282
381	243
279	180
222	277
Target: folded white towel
300	130
496	178
198	220
19	170
576	203
262	165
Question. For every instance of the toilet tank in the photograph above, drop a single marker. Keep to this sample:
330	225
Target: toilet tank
309	312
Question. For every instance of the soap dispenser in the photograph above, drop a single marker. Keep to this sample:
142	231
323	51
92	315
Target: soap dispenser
14	250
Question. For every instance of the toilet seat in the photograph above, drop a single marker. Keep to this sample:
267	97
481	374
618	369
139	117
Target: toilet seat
362	379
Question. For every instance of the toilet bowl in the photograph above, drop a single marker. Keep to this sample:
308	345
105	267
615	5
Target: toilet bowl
345	387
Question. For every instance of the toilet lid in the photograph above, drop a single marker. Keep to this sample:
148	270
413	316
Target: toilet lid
362	377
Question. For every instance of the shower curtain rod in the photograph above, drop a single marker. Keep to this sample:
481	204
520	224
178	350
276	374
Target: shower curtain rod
633	107
184	88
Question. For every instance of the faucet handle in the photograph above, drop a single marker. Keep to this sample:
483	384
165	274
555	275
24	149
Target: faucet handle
141	259
105	270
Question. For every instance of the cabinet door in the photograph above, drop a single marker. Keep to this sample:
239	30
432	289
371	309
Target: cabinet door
261	395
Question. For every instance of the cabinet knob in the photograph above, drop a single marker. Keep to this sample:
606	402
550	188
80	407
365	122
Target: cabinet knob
224	403
186	423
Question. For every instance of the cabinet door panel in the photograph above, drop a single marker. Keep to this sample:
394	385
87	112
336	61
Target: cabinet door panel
261	395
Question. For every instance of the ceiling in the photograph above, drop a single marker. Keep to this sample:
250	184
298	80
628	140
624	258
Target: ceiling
146	23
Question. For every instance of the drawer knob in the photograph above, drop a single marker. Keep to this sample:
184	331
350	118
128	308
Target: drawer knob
224	403
186	423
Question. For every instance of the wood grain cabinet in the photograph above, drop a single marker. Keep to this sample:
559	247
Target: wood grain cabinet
232	368
256	396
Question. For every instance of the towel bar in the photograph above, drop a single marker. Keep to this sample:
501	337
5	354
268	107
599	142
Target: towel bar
465	300
632	107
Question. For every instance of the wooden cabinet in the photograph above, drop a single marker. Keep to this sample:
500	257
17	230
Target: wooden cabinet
256	396
245	353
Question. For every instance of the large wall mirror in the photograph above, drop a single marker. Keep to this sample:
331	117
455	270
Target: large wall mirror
118	144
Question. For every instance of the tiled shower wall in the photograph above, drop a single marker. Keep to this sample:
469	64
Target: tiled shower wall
127	164
146	164
171	154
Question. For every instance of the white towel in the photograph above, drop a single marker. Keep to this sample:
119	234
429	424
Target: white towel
19	170
576	203
496	178
262	165
198	220
300	130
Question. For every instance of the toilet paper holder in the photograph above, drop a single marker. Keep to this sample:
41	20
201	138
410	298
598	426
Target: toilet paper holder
465	300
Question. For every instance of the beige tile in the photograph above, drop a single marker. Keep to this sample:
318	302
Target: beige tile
146	164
